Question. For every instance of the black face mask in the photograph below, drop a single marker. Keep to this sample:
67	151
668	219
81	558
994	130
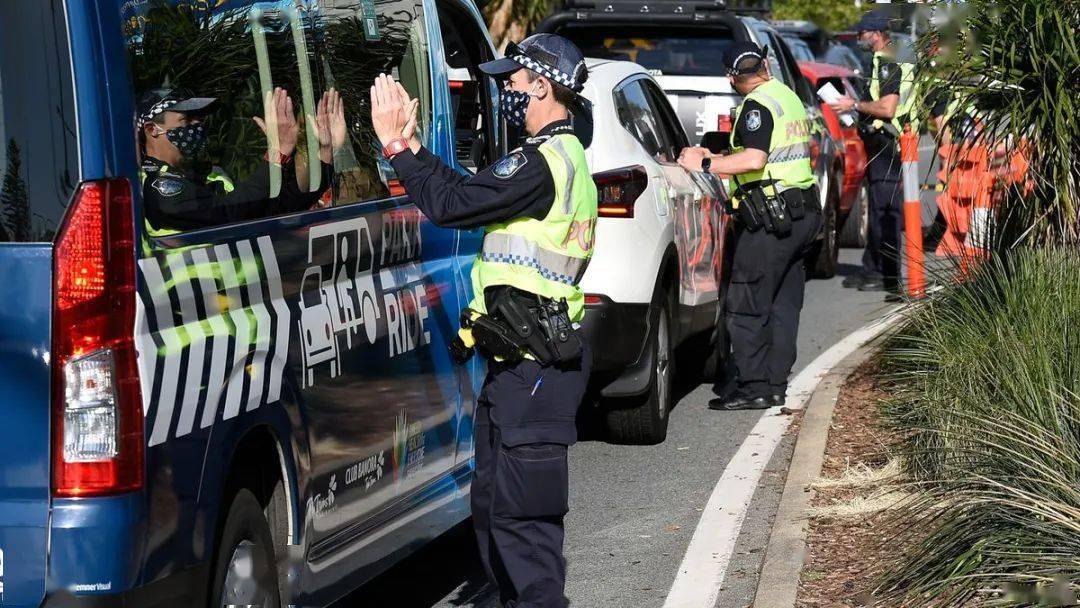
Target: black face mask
190	140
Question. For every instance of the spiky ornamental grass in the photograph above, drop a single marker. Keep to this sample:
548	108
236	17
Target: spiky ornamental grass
985	380
1017	63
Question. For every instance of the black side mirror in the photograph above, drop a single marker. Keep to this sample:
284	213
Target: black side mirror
716	141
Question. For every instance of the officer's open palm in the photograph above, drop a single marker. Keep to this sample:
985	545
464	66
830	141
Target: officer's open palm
330	124
387	111
279	124
411	112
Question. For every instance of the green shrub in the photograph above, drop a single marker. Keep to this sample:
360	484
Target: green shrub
985	380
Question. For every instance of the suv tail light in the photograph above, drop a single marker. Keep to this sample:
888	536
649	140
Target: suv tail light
97	430
619	189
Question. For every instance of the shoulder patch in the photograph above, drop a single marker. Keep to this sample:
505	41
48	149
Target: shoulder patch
507	166
753	120
167	186
885	70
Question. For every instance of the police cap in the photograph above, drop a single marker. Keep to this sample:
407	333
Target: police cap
743	58
156	101
549	55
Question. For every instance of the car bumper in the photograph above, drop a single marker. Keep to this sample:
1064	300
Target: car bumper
618	335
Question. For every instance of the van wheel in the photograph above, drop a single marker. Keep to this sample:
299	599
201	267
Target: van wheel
825	254
245	572
643	420
853	234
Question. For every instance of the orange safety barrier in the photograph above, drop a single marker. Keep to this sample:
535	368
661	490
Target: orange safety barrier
963	167
909	171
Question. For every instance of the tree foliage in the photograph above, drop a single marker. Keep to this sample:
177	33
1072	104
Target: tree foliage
13	198
1015	66
831	15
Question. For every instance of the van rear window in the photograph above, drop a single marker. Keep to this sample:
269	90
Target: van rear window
39	158
662	51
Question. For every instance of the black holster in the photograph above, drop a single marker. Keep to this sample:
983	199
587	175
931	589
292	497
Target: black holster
521	322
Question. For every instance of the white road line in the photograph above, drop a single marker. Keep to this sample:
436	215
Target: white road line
698	580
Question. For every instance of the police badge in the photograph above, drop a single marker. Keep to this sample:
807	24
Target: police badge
884	72
167	186
753	120
508	165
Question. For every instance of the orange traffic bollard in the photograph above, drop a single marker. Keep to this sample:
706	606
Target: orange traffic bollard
909	170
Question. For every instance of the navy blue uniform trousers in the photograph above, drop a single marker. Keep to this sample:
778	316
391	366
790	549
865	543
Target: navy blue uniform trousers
525	421
764	299
881	260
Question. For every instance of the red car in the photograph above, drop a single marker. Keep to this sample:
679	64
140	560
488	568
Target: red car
853	194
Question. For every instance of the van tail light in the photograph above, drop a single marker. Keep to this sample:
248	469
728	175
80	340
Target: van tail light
723	123
97	428
618	190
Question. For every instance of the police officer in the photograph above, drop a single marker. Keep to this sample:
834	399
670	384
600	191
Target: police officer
778	217
883	114
538	208
180	195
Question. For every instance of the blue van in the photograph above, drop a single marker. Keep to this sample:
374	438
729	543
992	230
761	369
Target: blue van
251	410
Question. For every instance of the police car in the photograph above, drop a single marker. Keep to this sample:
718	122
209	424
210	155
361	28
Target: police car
681	44
260	412
654	287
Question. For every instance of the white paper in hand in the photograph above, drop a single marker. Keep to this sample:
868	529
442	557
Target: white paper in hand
829	94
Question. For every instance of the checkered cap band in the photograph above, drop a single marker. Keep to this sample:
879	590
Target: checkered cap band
157	108
567	80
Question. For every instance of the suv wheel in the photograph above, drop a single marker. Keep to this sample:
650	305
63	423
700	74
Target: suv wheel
824	256
245	571
853	234
643	420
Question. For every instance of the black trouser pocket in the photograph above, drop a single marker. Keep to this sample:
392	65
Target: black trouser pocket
744	295
533	481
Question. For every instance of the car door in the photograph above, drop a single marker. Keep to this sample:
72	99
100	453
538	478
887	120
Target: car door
694	206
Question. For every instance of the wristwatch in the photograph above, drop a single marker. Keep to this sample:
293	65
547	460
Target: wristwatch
395	147
706	163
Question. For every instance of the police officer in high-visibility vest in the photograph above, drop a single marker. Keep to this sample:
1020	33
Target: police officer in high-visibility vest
888	107
778	217
537	206
179	194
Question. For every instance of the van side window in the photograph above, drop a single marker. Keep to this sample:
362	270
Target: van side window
635	114
472	94
39	153
251	111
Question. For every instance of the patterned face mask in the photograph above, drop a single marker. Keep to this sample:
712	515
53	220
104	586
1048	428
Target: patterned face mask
513	105
190	140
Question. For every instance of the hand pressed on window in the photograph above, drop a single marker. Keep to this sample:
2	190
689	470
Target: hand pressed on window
330	125
283	130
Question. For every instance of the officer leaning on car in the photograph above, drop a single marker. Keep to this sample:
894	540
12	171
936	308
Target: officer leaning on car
882	119
538	208
775	199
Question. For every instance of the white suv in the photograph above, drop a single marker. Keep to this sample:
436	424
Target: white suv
655	280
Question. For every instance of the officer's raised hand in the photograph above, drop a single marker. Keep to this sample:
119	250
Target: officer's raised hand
392	111
283	129
330	125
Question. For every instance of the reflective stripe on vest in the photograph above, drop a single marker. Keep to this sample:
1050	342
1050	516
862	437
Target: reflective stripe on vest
515	249
789	147
547	257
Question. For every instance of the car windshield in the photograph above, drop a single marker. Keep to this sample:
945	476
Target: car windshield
670	51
